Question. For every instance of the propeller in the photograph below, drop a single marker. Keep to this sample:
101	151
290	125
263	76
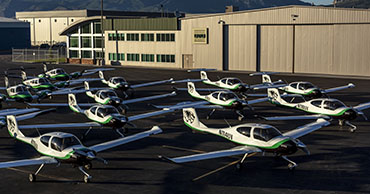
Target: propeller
301	146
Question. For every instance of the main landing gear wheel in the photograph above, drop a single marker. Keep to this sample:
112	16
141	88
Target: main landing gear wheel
87	179
291	167
88	166
240	118
239	166
32	177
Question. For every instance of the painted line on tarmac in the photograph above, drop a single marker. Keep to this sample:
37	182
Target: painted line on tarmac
41	175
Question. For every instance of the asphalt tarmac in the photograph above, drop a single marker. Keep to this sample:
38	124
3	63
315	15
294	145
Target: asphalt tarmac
339	160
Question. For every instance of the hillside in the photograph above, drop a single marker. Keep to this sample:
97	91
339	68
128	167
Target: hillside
355	3
9	7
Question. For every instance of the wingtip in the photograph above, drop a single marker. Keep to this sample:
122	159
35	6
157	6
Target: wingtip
165	158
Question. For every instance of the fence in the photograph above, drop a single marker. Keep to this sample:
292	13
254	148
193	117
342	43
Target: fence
38	55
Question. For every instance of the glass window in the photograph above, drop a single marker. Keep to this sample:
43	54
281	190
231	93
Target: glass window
121	36
294	85
97	28
132	37
166	58
147	37
223	80
73	54
45	140
332	105
56	143
233	81
93	109
112	56
305	86
244	130
147	57
215	95
97	42
85	29
69	142
86	54
110	36
316	103
73	42
98	54
121	56
74	31
133	57
166	37
86	42
265	134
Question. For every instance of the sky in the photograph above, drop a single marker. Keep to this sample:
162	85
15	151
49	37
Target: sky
319	2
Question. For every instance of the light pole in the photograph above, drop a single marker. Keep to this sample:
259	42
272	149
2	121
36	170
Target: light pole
102	56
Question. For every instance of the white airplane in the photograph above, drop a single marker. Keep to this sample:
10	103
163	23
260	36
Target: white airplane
320	107
302	87
27	113
103	116
119	83
251	138
236	85
61	75
59	147
223	100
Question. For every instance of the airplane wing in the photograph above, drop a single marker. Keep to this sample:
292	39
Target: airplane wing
28	162
265	86
2	88
151	83
34	114
258	100
149	114
181	105
148	98
79	81
59	104
187	80
124	140
300	117
17	111
350	85
204	89
216	154
305	129
257	95
92	71
362	106
67	91
62	125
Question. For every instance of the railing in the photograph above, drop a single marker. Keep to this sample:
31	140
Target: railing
38	55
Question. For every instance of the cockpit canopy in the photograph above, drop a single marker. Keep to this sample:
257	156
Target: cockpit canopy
231	81
305	86
103	111
116	80
61	143
330	104
106	93
43	81
265	134
224	96
58	71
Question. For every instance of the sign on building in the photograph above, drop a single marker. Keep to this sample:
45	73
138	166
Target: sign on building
200	35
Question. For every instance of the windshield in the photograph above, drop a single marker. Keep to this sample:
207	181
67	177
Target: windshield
227	96
107	94
305	86
118	80
332	105
20	89
265	134
107	111
233	81
59	71
60	144
43	81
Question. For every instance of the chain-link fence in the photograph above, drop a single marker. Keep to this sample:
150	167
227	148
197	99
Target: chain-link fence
39	55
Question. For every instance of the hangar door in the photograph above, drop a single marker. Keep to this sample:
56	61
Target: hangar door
314	49
242	47
276	42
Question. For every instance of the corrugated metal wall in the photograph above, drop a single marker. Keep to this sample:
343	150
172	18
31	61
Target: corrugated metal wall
277	48
242	47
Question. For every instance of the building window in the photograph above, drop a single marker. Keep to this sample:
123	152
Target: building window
86	42
112	36
85	29
147	57
166	37
132	37
147	37
73	54
98	54
121	36
74	31
112	56
73	42
86	54
98	42
166	58
97	28
121	56
133	57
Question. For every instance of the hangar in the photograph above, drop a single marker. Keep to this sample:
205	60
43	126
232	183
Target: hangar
14	34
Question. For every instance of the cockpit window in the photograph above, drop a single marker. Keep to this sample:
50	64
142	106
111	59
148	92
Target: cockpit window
233	81
59	71
60	144
107	94
43	81
215	95
45	140
102	112
294	85
223	80
244	130
118	80
316	103
305	86
227	96
265	134
20	89
93	110
332	105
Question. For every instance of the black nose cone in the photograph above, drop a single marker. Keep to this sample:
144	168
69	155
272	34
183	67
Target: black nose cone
287	148
350	114
316	93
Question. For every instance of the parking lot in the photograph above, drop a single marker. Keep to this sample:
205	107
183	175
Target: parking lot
339	160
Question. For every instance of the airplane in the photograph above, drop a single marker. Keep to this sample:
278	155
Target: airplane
119	83
61	75
59	147
223	100
251	138
319	107
103	116
236	85
27	113
303	88
19	93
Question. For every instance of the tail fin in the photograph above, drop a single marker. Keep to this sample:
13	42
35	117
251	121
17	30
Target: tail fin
6	80
72	103
191	119
24	75
266	79
13	127
203	75
87	88
192	91
274	94
101	76
45	67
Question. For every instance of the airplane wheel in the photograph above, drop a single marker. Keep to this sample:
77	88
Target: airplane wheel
87	179
88	166
124	111
352	130
207	117
32	177
239	166
240	118
291	167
